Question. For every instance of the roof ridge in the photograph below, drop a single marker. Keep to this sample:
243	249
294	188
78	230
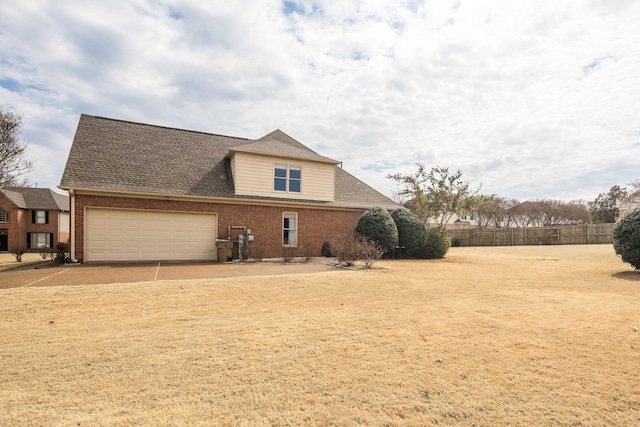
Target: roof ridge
163	127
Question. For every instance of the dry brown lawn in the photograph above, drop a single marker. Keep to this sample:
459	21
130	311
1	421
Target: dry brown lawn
487	337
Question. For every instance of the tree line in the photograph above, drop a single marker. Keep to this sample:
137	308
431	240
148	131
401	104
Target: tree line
437	195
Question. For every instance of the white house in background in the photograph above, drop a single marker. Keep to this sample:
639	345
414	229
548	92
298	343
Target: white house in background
632	201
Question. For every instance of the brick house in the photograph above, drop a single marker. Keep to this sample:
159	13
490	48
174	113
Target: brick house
34	217
144	192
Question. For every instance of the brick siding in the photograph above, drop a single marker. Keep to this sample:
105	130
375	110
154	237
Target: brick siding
20	223
315	226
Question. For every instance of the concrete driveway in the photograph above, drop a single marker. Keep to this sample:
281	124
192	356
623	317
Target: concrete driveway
44	274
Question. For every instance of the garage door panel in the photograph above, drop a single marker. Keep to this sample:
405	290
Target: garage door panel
136	235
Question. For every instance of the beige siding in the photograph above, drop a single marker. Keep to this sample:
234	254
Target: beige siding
253	176
63	222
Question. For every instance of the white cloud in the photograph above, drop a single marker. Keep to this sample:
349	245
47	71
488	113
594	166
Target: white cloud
534	99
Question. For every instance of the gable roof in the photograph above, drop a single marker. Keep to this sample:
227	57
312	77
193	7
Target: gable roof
121	156
36	198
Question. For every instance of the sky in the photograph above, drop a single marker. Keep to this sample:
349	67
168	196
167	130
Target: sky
530	99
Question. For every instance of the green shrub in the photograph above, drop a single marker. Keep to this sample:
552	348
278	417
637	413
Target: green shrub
62	253
455	243
626	238
412	233
377	225
436	244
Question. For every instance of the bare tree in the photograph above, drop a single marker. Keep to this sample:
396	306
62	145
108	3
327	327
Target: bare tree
13	163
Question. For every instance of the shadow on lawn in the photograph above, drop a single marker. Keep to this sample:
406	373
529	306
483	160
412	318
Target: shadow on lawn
628	275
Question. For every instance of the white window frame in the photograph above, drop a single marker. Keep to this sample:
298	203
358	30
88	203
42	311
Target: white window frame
288	230
4	216
287	178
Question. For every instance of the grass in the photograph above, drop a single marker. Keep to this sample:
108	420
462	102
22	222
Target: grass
487	337
8	261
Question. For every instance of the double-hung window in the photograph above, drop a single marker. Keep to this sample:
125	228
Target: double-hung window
289	229
287	178
4	216
40	217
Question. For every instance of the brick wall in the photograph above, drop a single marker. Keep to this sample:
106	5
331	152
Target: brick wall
315	226
20	223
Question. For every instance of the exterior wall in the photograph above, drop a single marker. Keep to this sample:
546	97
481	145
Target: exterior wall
315	226
64	223
253	176
20	224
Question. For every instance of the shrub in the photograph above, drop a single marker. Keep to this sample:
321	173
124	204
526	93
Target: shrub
17	251
412	233
377	225
436	244
346	249
455	243
369	250
626	238
62	253
326	250
288	253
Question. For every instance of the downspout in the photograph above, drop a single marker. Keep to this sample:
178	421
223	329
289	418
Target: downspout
72	226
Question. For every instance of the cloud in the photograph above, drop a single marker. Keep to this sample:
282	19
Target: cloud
533	99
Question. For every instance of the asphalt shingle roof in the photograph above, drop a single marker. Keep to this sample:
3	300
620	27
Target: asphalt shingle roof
116	155
36	198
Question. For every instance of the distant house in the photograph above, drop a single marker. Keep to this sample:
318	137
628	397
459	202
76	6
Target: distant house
33	217
144	192
630	202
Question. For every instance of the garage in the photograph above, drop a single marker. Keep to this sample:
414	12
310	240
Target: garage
143	235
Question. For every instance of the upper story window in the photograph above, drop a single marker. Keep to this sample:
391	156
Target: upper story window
4	216
40	217
287	178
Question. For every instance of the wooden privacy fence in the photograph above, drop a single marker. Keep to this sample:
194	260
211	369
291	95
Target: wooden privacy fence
558	235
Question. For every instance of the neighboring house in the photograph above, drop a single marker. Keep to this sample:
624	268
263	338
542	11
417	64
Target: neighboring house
630	202
143	192
33	217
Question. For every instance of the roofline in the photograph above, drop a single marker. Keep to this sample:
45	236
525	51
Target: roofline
163	127
283	156
225	200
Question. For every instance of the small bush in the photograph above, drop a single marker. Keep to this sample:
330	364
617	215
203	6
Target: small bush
326	250
62	253
376	224
412	233
626	238
17	251
370	251
307	251
288	254
455	243
436	244
346	249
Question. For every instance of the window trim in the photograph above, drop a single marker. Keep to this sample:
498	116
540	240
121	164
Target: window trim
40	217
32	240
295	227
287	178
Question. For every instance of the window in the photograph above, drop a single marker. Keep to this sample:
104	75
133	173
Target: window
287	178
289	229
4	216
39	240
40	217
280	179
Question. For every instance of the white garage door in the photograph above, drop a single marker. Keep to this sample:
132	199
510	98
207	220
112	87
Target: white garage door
136	235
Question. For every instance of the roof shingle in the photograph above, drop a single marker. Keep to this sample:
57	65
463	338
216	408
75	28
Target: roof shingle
116	155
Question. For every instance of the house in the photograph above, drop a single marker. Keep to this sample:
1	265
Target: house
144	192
32	217
630	202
